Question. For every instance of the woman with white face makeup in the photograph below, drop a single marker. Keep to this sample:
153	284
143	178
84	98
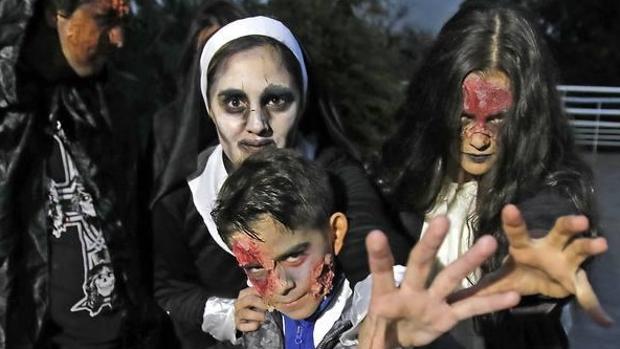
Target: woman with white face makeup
185	114
258	93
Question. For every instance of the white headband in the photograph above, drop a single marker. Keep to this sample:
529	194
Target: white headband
262	26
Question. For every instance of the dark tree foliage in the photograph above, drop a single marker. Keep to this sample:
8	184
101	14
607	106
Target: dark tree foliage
360	54
357	54
583	36
142	77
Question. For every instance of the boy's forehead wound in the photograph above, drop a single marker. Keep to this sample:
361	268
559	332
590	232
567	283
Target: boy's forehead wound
248	252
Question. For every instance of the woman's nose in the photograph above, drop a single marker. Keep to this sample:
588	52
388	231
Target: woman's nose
257	123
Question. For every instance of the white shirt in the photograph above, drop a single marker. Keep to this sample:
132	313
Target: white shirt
458	203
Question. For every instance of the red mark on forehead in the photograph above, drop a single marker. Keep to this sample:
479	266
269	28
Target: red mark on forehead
248	253
482	99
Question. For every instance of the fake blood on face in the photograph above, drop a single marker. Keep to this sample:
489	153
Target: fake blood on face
248	254
322	278
483	99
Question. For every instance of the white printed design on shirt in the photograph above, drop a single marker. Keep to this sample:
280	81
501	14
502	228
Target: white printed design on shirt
71	206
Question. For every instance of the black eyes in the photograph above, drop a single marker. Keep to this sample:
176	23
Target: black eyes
234	104
239	104
278	102
493	120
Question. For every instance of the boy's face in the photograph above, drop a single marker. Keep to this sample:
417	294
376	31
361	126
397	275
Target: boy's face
291	270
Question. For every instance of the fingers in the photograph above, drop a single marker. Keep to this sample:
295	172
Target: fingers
478	305
588	300
455	272
249	297
565	228
514	227
249	320
423	254
249	310
583	248
248	326
373	333
380	261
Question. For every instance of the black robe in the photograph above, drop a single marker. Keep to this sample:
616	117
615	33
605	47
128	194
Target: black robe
106	163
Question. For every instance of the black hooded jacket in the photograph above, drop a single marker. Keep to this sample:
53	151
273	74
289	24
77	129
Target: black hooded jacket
29	106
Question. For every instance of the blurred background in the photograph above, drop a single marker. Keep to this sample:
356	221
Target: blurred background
365	51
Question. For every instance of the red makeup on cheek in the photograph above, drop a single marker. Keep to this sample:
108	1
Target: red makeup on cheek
482	99
248	253
323	278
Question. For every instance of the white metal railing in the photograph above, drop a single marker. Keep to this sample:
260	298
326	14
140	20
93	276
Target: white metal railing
594	113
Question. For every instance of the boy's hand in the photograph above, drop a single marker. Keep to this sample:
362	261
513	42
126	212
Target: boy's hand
550	265
414	314
249	310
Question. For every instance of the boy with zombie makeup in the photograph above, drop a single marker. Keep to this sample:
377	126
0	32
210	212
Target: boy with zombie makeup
71	271
258	92
276	213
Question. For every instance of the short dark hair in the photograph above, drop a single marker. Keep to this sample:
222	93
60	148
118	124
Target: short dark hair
536	149
68	6
277	182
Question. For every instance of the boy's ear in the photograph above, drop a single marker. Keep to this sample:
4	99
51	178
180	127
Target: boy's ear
339	226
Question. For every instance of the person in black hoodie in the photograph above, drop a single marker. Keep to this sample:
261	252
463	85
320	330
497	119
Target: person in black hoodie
71	267
483	128
258	92
182	120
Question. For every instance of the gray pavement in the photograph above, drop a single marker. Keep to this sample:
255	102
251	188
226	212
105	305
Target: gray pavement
605	270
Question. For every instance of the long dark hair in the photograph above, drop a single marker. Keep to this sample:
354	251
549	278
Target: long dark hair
190	130
211	13
536	147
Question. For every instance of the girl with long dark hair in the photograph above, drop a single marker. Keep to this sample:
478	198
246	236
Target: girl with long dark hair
483	128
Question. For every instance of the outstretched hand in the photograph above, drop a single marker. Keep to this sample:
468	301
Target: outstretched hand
413	314
550	265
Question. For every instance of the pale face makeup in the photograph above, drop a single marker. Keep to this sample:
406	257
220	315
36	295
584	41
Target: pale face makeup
89	33
291	271
254	103
486	98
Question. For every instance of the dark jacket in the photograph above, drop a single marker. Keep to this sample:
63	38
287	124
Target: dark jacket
535	323
190	266
29	106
